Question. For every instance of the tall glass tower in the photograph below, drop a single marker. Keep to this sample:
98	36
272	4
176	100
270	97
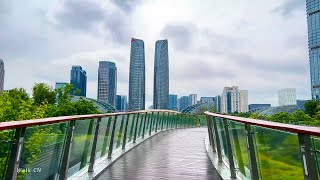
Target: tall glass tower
107	82
313	15
161	76
78	79
1	75
137	76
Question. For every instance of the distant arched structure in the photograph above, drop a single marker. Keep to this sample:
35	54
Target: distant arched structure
103	107
198	107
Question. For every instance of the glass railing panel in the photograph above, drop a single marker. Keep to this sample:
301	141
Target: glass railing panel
130	129
82	145
6	140
117	131
41	153
154	121
316	148
239	147
146	132
278	154
140	125
222	137
122	120
160	121
104	136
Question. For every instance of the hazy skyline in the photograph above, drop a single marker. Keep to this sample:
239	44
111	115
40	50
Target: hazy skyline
259	45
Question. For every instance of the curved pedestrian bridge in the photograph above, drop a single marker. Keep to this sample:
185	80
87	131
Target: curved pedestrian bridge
157	144
175	154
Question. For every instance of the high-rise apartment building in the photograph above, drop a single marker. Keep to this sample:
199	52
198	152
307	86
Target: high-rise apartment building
107	82
234	100
287	96
137	75
161	76
60	85
2	72
183	102
313	17
192	99
244	101
122	104
78	79
173	102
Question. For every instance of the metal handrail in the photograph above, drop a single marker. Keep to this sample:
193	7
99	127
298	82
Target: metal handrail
314	131
51	120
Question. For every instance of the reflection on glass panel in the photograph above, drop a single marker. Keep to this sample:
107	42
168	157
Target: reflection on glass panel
117	131
131	127
222	136
140	125
316	148
239	145
81	147
278	154
147	124
6	140
122	120
104	135
42	150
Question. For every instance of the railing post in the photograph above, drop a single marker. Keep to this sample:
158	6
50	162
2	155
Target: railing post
150	127
125	133
94	146
163	118
217	139
308	157
112	137
64	163
230	152
157	123
144	125
15	154
210	132
251	153
106	137
136	129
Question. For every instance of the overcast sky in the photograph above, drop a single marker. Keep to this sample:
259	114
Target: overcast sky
258	45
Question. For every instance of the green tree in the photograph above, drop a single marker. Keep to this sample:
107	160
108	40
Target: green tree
42	92
311	107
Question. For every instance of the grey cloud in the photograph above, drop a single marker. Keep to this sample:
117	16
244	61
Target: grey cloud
180	34
127	5
81	14
289	6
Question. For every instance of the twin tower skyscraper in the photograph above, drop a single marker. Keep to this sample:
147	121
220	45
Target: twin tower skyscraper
137	76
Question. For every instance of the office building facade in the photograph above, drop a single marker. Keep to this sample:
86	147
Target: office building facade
192	99
255	107
234	100
161	76
59	85
107	82
218	103
122	104
2	73
173	102
244	106
313	18
78	79
137	76
287	97
183	102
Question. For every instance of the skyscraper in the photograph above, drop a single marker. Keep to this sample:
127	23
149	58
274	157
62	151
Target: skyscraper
192	99
161	76
183	102
122	104
2	71
313	17
287	96
218	103
78	79
107	82
137	75
173	104
244	101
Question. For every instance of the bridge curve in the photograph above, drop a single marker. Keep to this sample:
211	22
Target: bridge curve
175	154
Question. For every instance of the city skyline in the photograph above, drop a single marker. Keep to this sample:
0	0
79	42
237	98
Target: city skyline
197	51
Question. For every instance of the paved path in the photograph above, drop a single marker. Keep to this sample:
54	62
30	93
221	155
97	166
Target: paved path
176	154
